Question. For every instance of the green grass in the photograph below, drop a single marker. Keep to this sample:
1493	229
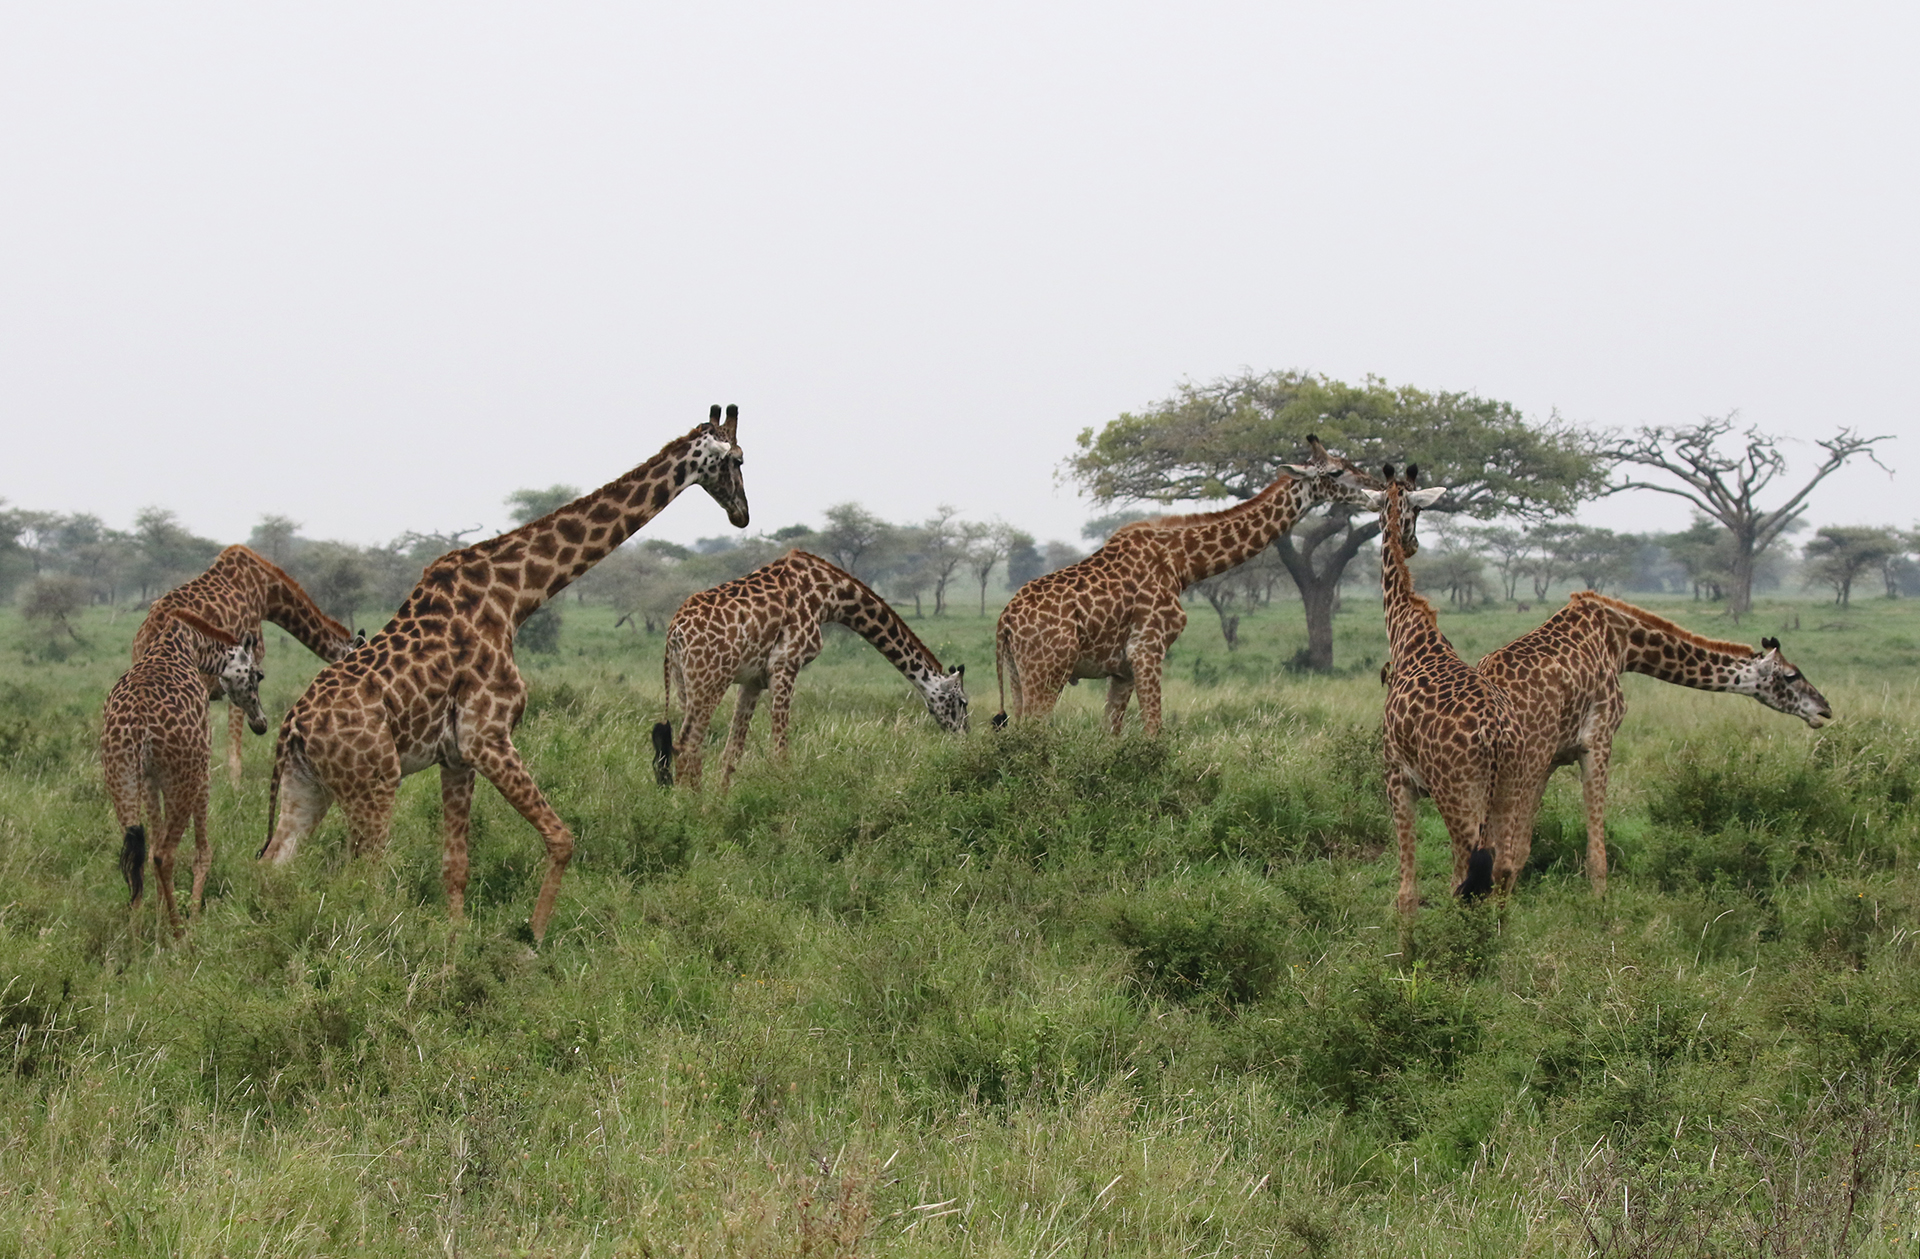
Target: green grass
1036	993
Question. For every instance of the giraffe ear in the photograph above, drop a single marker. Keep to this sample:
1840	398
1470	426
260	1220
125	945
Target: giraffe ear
1376	499
1427	497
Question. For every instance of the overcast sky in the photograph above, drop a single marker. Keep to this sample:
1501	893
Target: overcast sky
375	266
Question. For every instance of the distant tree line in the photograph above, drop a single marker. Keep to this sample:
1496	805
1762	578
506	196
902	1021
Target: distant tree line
60	563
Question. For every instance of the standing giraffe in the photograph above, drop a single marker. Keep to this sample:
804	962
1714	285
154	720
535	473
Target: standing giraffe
760	630
155	740
240	589
1449	732
438	685
1116	614
1562	680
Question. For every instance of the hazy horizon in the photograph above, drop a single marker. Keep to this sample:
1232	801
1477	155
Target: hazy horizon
376	268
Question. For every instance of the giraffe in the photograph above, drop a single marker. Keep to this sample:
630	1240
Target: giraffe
760	630
438	685
1563	684
1116	614
155	740
240	589
1449	732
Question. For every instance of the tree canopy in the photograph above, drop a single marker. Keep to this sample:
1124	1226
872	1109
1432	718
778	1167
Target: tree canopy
1228	439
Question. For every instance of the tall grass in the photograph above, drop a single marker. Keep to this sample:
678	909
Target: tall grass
1036	993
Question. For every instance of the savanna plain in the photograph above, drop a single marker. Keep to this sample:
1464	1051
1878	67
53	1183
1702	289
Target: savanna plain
1038	992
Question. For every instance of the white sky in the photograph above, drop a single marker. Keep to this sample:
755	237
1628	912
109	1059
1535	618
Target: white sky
375	266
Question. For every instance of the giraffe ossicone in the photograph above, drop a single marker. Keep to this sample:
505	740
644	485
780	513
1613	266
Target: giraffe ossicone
759	631
438	685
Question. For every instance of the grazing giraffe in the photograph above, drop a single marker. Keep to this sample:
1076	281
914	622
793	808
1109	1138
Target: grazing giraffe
1116	614
1562	681
438	685
760	630
240	589
155	740
1449	732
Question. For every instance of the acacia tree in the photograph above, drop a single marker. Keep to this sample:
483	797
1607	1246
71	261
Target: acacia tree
1228	438
1839	554
1726	484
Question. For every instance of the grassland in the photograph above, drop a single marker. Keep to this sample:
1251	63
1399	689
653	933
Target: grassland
1041	993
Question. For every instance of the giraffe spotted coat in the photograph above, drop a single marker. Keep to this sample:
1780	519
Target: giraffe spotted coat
760	630
239	590
1562	681
438	685
155	741
1116	614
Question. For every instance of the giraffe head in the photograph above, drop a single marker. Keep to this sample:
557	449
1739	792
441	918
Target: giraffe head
946	697
1331	479
1412	502
232	664
716	460
240	677
1770	678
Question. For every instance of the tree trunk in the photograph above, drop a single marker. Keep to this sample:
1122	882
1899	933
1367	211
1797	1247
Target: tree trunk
1333	540
1740	590
1318	599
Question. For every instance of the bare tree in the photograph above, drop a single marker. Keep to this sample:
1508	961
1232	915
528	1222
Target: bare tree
987	545
943	543
1726	486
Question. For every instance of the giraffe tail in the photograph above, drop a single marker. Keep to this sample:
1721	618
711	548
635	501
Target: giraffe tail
1479	880
133	859
663	729
1000	674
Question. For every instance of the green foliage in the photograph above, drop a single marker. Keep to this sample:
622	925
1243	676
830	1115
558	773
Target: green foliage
986	993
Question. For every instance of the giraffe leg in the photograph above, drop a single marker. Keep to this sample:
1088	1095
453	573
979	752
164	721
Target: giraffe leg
369	810
1401	797
500	762
690	751
456	811
1037	686
1466	813
1147	658
303	801
236	726
1593	794
1119	691
743	707
202	855
178	811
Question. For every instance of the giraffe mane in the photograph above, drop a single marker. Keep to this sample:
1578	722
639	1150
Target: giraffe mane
1179	519
275	571
1660	623
913	639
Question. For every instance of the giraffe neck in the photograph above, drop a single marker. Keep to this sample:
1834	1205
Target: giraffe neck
1660	649
541	558
1412	625
285	604
852	603
1208	544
